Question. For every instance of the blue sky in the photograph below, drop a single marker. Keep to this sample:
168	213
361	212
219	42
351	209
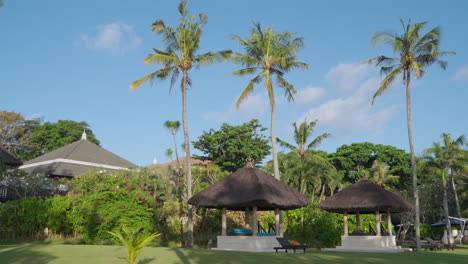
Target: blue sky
75	60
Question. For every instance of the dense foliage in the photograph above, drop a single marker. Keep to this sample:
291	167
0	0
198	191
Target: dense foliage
230	146
50	136
30	138
352	160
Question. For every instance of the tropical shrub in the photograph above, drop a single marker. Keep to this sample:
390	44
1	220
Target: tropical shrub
24	218
101	202
312	226
134	242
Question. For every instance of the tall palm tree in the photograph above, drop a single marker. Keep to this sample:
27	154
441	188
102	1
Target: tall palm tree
268	54
456	157
438	160
180	56
416	52
301	136
173	127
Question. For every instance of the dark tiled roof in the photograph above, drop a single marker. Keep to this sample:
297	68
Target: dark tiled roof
82	151
8	159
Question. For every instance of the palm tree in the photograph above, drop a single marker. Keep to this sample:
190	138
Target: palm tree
456	157
270	54
180	56
311	169
380	173
437	160
301	136
173	127
134	242
169	153
416	52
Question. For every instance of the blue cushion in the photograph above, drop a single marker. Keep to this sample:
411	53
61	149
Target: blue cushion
266	234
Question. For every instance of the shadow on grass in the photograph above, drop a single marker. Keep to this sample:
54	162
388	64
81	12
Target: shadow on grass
145	260
201	256
23	255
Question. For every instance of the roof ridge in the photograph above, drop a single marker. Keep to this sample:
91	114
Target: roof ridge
72	150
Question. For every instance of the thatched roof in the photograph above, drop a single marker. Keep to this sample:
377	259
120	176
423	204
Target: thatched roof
248	187
75	159
365	197
173	163
8	159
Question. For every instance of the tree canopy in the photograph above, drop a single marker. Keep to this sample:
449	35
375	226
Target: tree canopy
51	136
28	139
230	146
352	160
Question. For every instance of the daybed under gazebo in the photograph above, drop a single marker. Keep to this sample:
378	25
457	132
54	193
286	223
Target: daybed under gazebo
249	189
366	197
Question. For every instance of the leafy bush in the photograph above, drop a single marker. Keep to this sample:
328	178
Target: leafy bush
426	231
23	216
101	202
312	226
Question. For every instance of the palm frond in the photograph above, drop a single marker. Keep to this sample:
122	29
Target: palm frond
162	59
386	82
174	77
161	74
383	37
211	57
246	71
318	140
285	144
248	90
289	90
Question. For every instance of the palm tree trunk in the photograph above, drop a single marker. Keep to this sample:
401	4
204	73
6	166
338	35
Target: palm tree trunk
188	171
454	187
273	143
176	152
413	162
446	210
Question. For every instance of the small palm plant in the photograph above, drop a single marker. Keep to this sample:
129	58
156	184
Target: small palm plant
134	241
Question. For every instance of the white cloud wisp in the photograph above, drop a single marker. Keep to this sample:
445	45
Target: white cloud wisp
115	38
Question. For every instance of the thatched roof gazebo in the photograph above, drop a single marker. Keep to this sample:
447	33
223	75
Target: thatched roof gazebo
365	197
252	190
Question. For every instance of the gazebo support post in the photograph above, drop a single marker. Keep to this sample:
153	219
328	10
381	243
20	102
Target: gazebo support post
358	222
345	220
377	223
223	222
389	224
277	222
247	218
255	221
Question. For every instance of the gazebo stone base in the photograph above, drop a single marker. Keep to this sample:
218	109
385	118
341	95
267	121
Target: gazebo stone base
376	250
247	243
367	244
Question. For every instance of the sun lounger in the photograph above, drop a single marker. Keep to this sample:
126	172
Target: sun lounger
440	245
286	245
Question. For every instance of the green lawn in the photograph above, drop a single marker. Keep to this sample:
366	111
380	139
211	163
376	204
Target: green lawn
70	254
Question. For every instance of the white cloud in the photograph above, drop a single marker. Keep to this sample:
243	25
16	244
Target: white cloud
253	107
354	112
461	74
116	38
346	77
309	95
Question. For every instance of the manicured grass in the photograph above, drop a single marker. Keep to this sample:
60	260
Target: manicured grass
70	254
